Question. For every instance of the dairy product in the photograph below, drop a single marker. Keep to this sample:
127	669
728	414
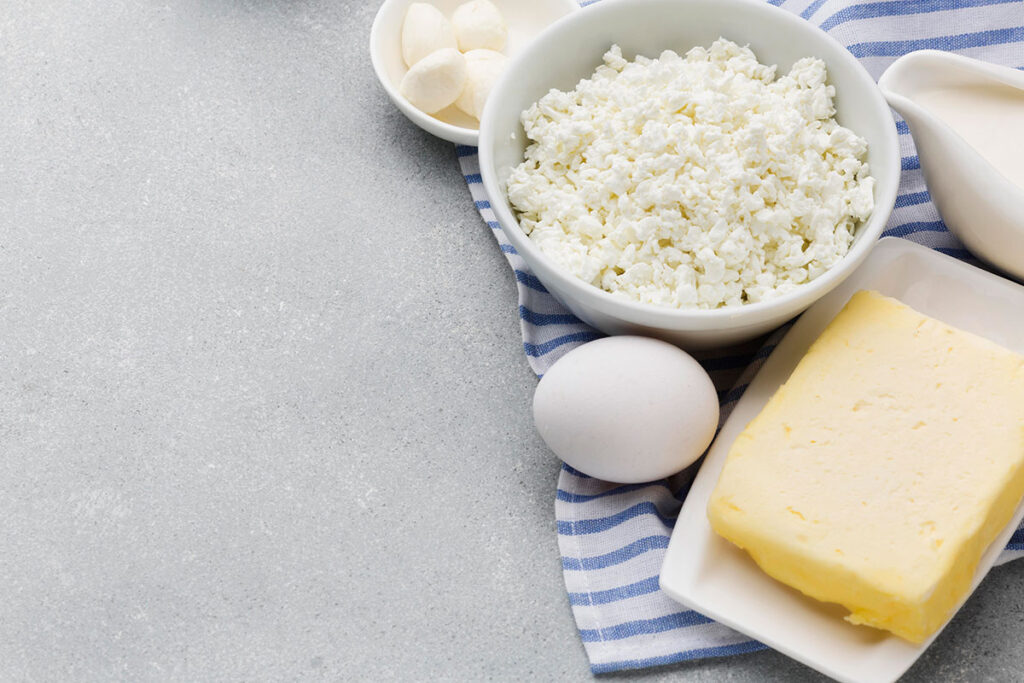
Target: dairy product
693	182
483	69
435	81
425	30
626	409
479	26
881	470
990	117
439	74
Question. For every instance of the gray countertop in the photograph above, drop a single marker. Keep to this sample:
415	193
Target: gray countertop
265	410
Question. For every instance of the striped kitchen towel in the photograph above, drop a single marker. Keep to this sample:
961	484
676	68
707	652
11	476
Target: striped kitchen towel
612	538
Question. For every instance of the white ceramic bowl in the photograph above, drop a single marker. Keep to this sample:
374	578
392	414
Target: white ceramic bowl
525	19
572	49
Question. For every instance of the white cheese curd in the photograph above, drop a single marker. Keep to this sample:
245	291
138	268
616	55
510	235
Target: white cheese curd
479	26
693	182
483	69
435	81
425	31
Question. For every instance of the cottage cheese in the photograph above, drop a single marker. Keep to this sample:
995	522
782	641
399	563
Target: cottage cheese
693	182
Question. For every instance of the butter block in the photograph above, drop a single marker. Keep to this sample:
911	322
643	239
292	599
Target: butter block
879	473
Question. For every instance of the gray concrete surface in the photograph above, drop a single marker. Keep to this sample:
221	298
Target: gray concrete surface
264	409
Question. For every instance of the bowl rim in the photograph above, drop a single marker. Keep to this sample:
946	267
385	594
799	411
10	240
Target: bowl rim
435	126
674	318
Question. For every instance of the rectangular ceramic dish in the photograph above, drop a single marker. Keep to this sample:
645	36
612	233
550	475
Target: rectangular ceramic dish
708	574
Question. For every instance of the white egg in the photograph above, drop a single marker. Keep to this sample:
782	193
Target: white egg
626	409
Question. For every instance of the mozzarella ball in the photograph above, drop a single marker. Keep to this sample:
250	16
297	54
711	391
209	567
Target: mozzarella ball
626	409
425	30
435	81
479	26
483	68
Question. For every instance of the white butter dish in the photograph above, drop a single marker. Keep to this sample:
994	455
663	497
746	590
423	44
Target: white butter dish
708	574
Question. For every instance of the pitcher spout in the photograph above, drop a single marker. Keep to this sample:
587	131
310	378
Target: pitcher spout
958	110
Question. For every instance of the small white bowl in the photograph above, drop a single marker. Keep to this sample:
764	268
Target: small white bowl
525	19
572	49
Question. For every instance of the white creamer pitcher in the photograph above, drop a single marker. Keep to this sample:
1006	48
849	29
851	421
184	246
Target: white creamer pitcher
967	119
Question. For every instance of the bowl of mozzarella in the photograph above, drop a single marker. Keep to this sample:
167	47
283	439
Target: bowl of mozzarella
438	59
699	171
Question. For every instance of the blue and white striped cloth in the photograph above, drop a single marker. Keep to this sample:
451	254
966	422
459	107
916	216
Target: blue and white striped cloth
612	538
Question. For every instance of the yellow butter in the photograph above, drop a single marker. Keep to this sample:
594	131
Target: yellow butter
881	470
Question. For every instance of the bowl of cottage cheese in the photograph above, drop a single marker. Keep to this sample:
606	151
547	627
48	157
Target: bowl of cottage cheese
695	170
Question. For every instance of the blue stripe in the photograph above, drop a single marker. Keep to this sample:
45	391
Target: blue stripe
494	225
567	497
733	362
872	10
961	254
685	656
659	542
536	350
812	8
599	524
917	226
483	204
633	590
641	627
961	41
541	319
528	280
575	473
623	554
912	199
725	363
733	394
